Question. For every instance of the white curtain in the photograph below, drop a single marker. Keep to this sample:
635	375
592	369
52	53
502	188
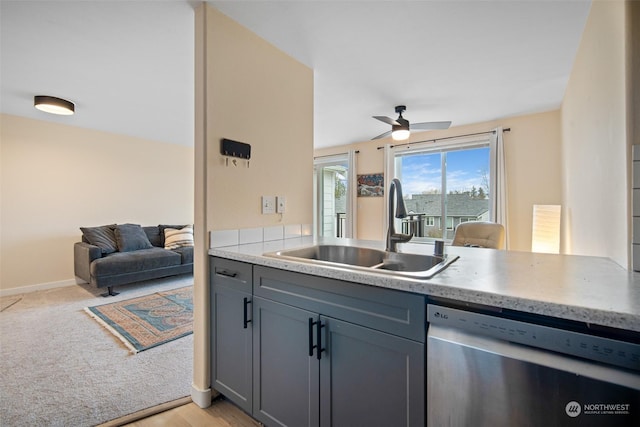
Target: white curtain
499	183
352	202
389	174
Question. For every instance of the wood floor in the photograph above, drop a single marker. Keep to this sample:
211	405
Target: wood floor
221	413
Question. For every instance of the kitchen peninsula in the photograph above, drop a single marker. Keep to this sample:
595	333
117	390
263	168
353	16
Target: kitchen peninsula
587	289
328	336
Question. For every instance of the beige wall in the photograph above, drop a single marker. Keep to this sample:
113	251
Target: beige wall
57	178
258	95
595	149
532	149
248	91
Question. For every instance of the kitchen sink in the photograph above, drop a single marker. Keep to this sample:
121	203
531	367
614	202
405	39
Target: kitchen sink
368	259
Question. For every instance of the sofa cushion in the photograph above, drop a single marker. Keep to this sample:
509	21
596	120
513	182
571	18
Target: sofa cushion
153	233
134	261
131	237
182	238
162	228
186	253
103	237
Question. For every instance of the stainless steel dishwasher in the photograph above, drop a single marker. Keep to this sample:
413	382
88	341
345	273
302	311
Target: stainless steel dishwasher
490	367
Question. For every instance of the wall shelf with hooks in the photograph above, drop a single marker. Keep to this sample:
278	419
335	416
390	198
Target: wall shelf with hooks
235	149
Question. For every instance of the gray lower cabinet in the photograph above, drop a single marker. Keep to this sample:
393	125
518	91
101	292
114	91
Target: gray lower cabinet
313	369
231	343
286	379
298	350
370	378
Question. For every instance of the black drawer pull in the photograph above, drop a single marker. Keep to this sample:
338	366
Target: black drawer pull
246	321
227	273
319	347
311	346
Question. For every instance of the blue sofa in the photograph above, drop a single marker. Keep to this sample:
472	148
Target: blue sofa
115	255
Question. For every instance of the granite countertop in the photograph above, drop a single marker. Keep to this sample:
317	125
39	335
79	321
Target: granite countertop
594	290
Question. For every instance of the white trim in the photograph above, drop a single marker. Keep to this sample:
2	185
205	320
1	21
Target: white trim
202	398
352	197
319	163
462	142
39	287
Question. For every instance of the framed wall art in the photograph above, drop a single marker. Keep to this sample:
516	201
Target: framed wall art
371	185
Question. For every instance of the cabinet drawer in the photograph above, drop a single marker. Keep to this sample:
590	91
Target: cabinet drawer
395	312
231	273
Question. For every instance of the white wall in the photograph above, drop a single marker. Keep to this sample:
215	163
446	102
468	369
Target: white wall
56	178
595	149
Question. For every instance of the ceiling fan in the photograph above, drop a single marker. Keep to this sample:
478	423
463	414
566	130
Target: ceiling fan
400	126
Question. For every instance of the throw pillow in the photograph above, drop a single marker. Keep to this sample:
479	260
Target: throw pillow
174	239
131	237
103	237
162	227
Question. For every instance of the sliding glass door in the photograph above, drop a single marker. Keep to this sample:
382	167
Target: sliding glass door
332	188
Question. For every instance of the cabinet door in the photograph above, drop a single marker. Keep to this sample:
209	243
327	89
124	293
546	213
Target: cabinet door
370	378
286	378
232	345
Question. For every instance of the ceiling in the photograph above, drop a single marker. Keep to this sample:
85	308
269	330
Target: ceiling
128	65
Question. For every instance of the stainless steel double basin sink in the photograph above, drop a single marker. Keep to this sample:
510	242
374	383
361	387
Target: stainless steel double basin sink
415	266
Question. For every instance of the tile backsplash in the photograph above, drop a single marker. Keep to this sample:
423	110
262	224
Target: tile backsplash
221	238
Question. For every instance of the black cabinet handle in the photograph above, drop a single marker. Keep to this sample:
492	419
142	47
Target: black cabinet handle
245	314
319	327
318	346
311	346
227	273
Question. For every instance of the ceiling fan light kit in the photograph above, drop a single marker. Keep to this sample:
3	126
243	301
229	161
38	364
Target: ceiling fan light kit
400	132
400	127
53	105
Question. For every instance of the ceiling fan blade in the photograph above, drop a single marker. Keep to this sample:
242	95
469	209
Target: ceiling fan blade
386	119
430	125
382	135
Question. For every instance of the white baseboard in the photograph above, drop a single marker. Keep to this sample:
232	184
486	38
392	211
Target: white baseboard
38	287
202	398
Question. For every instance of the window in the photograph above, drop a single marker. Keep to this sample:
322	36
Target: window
333	214
449	223
447	183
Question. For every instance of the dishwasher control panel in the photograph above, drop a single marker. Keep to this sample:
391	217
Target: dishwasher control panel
605	350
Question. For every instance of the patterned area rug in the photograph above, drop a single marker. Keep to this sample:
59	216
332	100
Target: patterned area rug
145	322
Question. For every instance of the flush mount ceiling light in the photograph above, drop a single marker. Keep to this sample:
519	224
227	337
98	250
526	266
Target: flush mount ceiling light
53	105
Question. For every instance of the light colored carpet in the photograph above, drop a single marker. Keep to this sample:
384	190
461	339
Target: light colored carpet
58	367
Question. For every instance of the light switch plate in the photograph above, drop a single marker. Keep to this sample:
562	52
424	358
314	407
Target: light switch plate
281	204
268	204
